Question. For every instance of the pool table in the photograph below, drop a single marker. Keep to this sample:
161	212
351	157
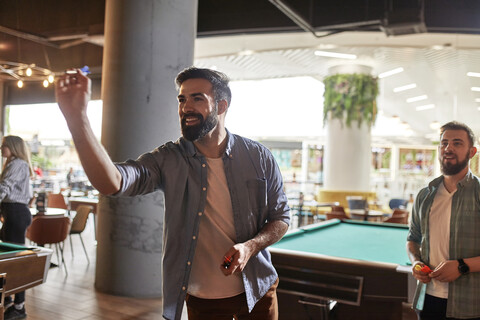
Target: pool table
21	268
360	266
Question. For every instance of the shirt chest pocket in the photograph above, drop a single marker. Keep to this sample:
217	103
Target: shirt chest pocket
469	224
257	195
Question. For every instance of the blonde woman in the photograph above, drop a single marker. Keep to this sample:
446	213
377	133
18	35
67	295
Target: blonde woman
15	193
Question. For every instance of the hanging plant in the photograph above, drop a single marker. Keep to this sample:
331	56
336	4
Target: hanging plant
350	97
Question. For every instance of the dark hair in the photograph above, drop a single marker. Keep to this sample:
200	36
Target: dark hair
455	125
219	81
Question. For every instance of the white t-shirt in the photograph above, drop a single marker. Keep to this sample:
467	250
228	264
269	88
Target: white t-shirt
216	235
439	227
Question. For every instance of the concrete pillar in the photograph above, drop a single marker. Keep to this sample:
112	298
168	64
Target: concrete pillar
347	149
146	44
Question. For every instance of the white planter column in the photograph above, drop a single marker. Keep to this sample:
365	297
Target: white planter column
347	149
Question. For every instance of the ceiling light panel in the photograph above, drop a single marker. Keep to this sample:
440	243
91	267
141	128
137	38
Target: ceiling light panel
418	98
405	87
390	73
335	55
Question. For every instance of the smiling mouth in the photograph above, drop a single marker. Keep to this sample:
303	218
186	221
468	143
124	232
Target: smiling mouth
191	120
449	157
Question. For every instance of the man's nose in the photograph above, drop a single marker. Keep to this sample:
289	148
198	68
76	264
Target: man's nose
187	106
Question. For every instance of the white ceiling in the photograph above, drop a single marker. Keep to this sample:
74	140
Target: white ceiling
437	63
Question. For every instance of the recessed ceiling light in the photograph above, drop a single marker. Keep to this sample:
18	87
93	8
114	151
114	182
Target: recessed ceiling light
418	98
473	74
425	107
390	73
335	55
246	53
405	87
476	89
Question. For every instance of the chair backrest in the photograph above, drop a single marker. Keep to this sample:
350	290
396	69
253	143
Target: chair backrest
355	202
338	209
399	211
56	200
398	203
48	229
336	215
399	218
80	220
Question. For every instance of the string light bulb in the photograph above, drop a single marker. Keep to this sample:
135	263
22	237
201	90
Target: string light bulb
51	78
29	72
20	84
46	83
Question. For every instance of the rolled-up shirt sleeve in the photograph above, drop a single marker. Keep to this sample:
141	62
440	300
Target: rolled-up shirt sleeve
139	176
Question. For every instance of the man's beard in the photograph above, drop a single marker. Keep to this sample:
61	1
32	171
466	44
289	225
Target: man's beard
449	169
198	131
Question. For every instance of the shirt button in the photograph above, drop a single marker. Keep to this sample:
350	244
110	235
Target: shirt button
204	189
199	213
203	165
194	237
188	263
184	288
231	156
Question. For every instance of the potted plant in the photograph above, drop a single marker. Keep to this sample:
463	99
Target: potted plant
350	97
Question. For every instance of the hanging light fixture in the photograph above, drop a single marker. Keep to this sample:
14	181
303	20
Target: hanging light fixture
22	72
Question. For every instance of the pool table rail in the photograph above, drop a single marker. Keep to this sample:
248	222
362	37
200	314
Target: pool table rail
320	285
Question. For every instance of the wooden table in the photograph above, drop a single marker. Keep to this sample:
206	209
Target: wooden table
21	268
309	205
366	215
49	212
74	202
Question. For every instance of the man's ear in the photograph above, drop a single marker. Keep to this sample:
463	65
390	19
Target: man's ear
473	151
222	106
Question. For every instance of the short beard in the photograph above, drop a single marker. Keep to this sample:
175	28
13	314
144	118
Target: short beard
452	169
194	133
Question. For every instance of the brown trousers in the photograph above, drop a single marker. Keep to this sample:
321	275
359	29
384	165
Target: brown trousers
234	307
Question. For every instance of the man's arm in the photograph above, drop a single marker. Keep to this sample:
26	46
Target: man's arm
73	93
413	251
447	271
242	252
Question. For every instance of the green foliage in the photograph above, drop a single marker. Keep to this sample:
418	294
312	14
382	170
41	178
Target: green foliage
352	96
41	162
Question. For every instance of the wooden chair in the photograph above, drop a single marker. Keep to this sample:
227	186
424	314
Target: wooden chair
50	230
336	215
56	200
338	209
78	225
398	218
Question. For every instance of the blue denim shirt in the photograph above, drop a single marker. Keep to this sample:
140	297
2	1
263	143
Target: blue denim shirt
256	191
464	292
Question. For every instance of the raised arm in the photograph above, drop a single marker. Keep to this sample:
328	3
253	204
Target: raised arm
73	91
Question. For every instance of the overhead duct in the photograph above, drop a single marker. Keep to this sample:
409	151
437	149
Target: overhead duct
404	18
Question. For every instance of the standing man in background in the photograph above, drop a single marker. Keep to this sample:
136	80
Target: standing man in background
224	199
444	233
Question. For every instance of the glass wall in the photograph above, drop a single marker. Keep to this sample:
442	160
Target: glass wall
53	154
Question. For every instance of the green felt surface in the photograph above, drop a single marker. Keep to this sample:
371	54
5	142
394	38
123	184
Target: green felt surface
11	247
354	240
